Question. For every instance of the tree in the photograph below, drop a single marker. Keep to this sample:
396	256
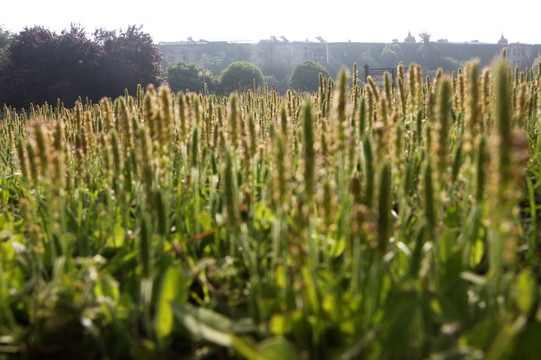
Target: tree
41	65
130	58
214	64
182	76
391	55
22	73
240	75
5	40
305	76
425	37
275	83
76	63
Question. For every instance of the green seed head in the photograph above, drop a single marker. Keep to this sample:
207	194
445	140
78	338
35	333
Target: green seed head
472	95
444	109
368	161
229	191
362	117
384	208
503	106
308	147
233	119
145	248
429	205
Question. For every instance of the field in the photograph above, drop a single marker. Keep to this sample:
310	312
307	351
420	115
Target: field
398	222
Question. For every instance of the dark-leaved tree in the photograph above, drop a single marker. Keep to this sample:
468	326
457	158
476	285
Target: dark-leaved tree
130	58
5	40
43	66
73	67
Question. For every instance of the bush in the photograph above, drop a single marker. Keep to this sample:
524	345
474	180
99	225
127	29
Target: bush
305	76
240	75
182	77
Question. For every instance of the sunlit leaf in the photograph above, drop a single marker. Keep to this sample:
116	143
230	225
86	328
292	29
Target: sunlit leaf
173	288
526	290
277	348
205	323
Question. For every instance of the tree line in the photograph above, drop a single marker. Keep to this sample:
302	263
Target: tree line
38	65
240	75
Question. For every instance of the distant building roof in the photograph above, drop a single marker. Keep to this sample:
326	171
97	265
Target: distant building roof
410	38
502	41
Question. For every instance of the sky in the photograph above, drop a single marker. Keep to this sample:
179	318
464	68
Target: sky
251	21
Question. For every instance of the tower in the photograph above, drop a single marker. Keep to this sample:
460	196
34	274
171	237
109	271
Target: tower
410	39
502	41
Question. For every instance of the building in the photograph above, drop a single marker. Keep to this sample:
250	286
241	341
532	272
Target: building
410	39
191	51
502	41
279	55
275	53
522	55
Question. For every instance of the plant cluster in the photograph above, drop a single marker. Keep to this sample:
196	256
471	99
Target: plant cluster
352	222
241	75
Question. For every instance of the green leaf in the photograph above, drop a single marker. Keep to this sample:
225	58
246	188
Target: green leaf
205	323
283	324
246	348
481	335
107	294
205	220
273	348
473	278
277	348
174	288
477	252
501	343
280	324
527	344
143	350
7	253
311	290
526	288
118	235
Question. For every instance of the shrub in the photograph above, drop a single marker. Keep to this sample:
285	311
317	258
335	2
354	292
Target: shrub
305	76
240	75
182	77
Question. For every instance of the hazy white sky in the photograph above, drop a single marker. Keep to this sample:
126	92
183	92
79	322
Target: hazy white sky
245	20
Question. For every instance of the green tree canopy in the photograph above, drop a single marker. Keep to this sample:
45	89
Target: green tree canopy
182	77
305	76
391	55
213	63
240	75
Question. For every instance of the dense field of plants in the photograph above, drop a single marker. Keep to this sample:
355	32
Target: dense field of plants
352	223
